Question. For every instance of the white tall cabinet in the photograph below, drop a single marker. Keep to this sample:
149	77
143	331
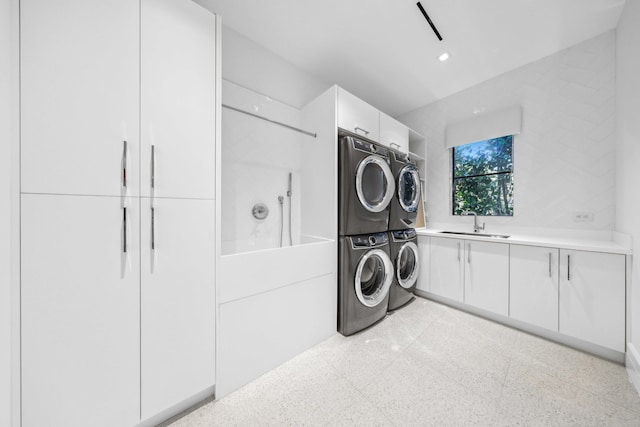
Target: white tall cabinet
118	278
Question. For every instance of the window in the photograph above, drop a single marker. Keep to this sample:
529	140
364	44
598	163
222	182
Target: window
483	177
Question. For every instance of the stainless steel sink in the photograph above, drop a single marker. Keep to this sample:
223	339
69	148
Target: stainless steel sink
464	233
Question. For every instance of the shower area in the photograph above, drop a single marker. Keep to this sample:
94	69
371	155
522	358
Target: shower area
277	283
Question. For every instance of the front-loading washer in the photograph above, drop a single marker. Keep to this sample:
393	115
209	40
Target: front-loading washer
366	186
404	207
403	250
366	274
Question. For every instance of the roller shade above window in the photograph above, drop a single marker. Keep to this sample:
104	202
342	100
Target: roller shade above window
486	126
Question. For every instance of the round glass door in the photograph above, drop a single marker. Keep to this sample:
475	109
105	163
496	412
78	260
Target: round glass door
374	183
409	188
373	277
407	265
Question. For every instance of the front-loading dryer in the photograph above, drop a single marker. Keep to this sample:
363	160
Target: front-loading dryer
366	187
366	273
403	249
404	207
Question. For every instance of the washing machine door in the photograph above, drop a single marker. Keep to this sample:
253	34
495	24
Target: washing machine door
373	277
409	188
374	183
407	265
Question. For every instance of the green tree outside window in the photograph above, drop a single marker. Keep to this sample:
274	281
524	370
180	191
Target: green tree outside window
483	177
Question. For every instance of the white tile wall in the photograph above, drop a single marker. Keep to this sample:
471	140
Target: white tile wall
564	159
257	157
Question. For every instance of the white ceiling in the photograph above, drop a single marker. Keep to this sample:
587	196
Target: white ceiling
385	52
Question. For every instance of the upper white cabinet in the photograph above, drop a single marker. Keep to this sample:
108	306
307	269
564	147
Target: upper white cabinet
486	277
80	85
393	134
357	116
592	297
178	97
447	268
534	285
80	311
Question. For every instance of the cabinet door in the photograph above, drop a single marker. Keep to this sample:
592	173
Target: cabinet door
424	250
178	304
393	133
533	294
447	268
592	297
80	312
357	116
486	276
178	77
79	96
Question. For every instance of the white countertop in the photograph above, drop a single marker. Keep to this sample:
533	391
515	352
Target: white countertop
594	245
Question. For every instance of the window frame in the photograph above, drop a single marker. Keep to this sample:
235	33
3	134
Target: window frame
452	177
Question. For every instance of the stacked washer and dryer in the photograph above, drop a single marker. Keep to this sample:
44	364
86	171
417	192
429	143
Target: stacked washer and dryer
379	193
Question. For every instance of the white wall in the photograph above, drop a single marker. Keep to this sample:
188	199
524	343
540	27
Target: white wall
246	63
628	150
257	159
564	160
5	212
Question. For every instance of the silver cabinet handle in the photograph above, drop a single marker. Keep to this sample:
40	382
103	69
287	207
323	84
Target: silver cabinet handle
458	251
124	230
124	164
153	167
569	267
550	264
366	132
393	143
153	229
469	253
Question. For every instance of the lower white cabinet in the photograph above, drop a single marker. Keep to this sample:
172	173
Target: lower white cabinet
80	312
486	276
533	292
424	251
592	297
446	272
177	302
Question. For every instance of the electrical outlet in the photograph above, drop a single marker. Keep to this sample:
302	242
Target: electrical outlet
583	217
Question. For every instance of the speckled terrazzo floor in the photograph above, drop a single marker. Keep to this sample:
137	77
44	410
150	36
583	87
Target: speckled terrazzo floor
429	364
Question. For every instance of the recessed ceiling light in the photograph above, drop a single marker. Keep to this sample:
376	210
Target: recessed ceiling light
444	56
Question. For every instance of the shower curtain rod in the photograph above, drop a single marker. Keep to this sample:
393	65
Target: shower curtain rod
270	121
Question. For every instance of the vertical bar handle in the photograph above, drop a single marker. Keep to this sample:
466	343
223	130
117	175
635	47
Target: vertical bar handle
153	167
124	230
124	164
153	229
469	253
550	264
458	251
569	267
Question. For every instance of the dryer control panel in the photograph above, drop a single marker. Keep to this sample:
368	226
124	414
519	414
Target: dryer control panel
366	241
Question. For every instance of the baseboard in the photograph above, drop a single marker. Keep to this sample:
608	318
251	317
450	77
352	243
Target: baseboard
632	363
596	350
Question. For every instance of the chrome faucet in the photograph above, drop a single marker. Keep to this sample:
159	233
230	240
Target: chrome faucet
476	226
